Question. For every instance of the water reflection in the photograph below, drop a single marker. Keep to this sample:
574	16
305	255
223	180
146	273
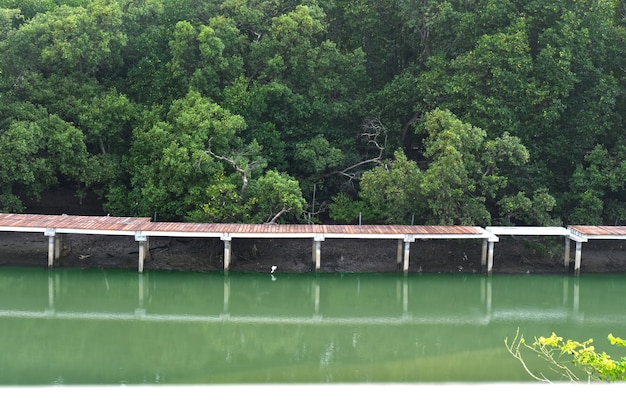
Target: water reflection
270	302
116	326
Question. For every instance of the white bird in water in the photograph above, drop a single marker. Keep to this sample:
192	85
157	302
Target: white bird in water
273	269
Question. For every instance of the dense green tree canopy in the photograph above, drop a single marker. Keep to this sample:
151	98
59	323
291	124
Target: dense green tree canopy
438	111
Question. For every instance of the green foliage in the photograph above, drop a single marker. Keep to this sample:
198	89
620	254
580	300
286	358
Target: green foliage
168	163
220	201
532	211
571	359
107	122
391	190
276	196
465	169
22	163
345	210
598	187
505	111
71	39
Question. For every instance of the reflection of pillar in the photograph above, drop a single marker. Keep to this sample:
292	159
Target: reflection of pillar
140	310
485	294
488	301
226	293
576	297
140	291
50	291
405	295
316	295
567	252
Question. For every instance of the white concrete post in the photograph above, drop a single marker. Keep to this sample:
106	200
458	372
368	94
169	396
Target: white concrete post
490	258
317	245
567	252
142	256
142	250
577	258
407	248
51	241
408	239
318	255
227	250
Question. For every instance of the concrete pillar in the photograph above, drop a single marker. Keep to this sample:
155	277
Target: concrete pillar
317	251
142	256
227	252
226	238
318	254
143	240
51	233
577	258
567	252
490	258
408	239
399	254
407	248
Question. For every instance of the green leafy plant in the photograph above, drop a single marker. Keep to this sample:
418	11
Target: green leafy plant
571	359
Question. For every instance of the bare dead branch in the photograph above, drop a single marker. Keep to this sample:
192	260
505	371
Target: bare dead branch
235	166
374	135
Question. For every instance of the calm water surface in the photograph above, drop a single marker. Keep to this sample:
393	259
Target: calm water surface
72	326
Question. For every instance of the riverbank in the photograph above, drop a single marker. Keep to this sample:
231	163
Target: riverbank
512	255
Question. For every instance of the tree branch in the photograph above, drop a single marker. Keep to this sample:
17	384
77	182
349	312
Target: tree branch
373	130
235	166
275	218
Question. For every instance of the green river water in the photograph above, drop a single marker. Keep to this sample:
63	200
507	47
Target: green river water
96	326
